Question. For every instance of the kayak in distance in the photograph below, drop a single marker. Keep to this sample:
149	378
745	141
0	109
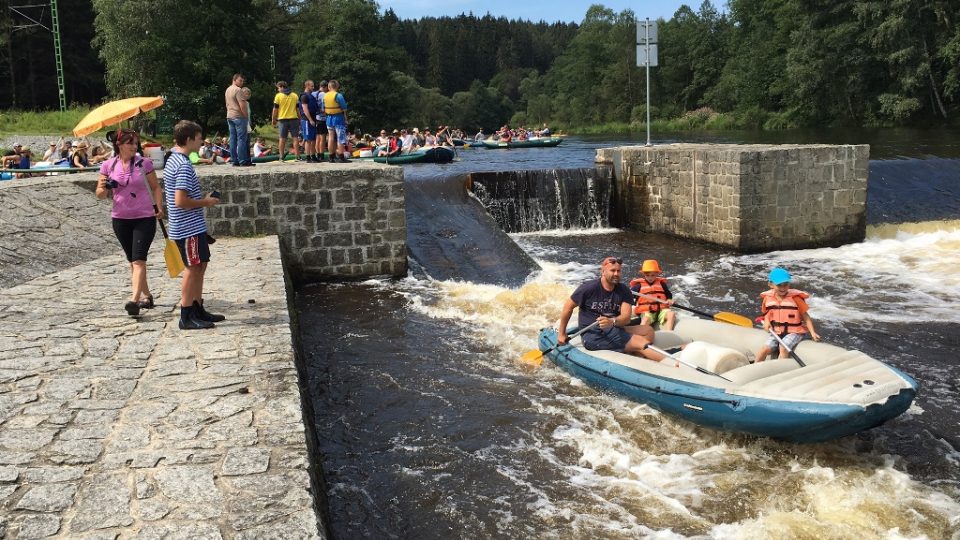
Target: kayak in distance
542	142
837	392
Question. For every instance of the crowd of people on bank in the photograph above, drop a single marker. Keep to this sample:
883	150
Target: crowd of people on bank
62	154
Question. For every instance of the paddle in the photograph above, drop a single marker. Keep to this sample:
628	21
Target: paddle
171	254
723	316
535	357
789	350
688	364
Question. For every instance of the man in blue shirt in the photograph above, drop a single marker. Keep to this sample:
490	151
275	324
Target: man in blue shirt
185	204
308	121
610	302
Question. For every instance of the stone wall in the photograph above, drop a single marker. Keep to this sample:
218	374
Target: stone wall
345	221
334	221
749	197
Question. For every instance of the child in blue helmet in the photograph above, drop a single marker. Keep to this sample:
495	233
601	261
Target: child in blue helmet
784	310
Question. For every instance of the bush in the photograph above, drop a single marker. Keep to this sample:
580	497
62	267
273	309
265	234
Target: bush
779	121
752	118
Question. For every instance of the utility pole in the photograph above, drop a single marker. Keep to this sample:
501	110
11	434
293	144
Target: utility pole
61	89
32	20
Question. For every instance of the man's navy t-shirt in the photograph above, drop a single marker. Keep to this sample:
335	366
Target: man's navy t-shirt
594	301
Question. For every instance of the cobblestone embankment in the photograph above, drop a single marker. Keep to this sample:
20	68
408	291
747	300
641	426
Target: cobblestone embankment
112	427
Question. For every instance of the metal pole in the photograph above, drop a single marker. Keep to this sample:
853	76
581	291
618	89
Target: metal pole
57	55
648	80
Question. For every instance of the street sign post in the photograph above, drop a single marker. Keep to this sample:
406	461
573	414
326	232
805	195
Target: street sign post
647	56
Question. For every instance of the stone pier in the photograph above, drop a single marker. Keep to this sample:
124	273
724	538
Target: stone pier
114	427
748	197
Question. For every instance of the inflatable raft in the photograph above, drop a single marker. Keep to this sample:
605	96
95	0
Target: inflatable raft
839	392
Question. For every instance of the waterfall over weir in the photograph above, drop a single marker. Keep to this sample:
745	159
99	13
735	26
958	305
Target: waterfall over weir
537	200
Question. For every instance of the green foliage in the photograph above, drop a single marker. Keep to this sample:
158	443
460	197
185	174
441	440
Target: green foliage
164	47
773	64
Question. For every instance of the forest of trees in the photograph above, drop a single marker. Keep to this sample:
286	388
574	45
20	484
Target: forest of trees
760	63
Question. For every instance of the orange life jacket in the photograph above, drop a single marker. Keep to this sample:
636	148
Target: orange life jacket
784	315
656	289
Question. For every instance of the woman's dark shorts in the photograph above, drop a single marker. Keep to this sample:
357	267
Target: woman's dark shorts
135	236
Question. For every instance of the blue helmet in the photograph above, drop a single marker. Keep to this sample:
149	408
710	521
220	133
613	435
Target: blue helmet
779	275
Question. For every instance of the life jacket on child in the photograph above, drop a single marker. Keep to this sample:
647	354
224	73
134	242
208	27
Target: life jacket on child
655	289
784	315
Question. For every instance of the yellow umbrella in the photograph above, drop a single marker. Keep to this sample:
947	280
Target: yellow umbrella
114	113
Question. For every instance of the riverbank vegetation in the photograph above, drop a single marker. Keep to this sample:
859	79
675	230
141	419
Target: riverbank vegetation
767	64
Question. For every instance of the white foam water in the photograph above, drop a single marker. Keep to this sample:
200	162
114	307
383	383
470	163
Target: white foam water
641	474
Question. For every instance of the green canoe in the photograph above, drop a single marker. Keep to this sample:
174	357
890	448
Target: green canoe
543	142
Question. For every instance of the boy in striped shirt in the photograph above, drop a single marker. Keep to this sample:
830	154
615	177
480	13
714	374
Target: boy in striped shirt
185	203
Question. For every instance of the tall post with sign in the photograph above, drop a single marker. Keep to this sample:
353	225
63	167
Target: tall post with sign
647	56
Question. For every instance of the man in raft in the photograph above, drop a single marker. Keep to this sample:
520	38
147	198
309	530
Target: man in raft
609	302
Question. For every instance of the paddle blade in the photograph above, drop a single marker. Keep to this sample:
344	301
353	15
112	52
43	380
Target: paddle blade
172	256
532	358
733	318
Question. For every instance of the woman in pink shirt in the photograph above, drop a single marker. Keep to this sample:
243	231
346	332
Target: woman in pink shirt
132	183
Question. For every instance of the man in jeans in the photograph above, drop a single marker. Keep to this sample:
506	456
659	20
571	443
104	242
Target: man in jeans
238	116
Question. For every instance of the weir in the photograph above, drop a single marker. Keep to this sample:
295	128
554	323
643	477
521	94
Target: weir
537	200
452	237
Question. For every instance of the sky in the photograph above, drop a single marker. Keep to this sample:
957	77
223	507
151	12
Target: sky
535	10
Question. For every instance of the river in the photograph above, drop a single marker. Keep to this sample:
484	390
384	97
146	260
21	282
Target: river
429	427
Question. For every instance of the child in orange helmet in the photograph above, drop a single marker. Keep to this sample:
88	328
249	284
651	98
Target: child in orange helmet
652	284
784	310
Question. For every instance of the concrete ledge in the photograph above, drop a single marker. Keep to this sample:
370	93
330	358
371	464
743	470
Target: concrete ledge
111	426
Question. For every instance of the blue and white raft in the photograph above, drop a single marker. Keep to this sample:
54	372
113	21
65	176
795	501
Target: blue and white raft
839	392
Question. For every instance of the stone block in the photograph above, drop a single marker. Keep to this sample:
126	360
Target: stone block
355	213
780	196
244	227
282	197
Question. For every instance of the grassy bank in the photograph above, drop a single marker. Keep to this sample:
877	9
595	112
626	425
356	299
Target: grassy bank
13	122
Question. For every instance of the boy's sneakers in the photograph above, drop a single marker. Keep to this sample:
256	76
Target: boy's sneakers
189	319
343	158
333	158
205	315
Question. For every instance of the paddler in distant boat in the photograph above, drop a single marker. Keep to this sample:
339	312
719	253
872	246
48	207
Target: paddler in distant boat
651	282
608	302
784	310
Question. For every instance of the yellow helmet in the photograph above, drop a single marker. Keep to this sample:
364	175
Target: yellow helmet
650	265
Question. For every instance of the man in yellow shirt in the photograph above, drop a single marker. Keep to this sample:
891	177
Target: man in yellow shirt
285	108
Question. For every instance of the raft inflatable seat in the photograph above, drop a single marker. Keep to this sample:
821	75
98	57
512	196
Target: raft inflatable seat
712	357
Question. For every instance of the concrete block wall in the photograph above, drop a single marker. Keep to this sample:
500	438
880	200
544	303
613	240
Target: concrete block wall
334	221
748	197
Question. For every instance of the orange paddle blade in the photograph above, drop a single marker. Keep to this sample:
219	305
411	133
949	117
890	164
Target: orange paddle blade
733	318
532	358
